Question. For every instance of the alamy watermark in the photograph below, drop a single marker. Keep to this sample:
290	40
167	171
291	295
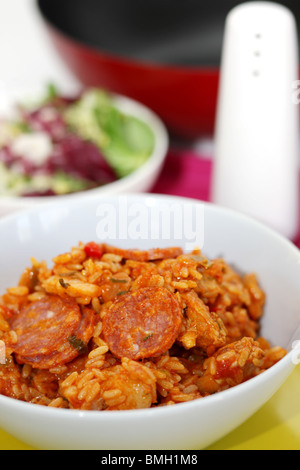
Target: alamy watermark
160	224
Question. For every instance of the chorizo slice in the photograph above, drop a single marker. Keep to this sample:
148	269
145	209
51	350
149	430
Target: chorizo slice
154	254
51	331
143	323
76	344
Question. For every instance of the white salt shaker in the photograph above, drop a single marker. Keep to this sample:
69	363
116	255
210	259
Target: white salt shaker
257	129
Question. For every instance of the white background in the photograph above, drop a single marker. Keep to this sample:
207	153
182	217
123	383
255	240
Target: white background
27	58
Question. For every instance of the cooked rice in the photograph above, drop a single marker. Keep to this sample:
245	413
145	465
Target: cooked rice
218	346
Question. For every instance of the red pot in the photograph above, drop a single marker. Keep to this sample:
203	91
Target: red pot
99	41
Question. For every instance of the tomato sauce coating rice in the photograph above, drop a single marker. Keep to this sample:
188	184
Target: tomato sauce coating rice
106	328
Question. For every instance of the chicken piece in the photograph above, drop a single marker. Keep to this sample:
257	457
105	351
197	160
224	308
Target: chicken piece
130	386
125	386
230	366
201	327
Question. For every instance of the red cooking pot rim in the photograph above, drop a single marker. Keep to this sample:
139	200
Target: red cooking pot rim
113	58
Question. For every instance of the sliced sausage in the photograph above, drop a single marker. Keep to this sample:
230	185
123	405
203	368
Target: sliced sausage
143	323
51	331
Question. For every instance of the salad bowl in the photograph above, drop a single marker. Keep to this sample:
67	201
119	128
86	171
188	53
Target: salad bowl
124	172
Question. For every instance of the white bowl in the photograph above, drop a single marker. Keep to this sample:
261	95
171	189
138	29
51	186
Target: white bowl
44	232
141	180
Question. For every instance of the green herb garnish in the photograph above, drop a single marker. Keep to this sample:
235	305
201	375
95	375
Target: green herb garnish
64	284
148	337
69	273
78	344
121	281
122	292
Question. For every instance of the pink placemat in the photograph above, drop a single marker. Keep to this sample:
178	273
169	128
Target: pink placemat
187	174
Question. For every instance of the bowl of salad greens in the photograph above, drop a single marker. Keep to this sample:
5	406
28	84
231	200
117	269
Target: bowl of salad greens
92	142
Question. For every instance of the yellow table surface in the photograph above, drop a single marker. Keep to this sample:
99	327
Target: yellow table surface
276	426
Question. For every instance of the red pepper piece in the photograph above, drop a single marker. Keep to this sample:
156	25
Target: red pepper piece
93	250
